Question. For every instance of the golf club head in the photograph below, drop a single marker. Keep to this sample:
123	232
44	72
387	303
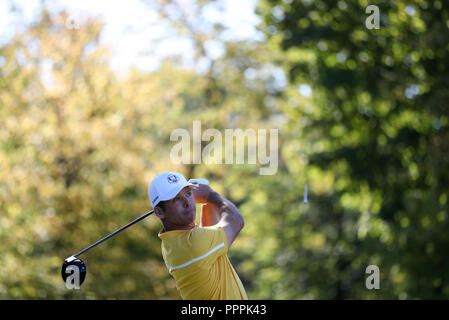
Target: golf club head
68	268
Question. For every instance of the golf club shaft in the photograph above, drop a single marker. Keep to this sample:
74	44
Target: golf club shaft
114	233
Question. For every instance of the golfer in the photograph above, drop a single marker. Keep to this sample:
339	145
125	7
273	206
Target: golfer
196	256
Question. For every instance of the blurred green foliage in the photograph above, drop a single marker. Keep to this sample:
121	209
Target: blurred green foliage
80	144
362	121
374	140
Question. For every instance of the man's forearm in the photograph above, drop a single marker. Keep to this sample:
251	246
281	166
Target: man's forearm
209	215
224	207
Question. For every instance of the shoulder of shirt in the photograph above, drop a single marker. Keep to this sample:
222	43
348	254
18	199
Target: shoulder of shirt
204	233
173	233
196	233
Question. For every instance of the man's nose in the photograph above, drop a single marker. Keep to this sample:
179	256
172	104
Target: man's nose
186	201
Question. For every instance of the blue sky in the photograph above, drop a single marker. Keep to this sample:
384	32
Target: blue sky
131	27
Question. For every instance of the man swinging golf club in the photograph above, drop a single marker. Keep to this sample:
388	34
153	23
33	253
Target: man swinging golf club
196	256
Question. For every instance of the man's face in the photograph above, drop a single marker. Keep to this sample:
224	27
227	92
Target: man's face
180	211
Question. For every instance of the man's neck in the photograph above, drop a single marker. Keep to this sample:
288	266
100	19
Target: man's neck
172	227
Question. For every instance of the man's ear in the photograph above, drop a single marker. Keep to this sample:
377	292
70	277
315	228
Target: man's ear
159	212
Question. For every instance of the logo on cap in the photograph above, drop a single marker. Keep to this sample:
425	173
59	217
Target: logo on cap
172	178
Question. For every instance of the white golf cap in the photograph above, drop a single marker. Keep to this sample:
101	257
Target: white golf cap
166	186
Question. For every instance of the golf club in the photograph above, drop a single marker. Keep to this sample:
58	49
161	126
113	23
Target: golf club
81	266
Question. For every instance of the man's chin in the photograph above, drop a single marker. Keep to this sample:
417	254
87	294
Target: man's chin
191	224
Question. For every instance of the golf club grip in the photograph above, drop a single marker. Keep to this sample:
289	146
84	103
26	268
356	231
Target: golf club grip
114	233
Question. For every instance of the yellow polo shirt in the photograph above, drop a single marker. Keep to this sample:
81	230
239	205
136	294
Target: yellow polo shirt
197	259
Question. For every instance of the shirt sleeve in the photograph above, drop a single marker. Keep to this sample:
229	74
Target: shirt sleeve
208	244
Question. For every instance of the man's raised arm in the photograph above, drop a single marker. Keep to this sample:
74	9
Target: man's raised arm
218	210
230	218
